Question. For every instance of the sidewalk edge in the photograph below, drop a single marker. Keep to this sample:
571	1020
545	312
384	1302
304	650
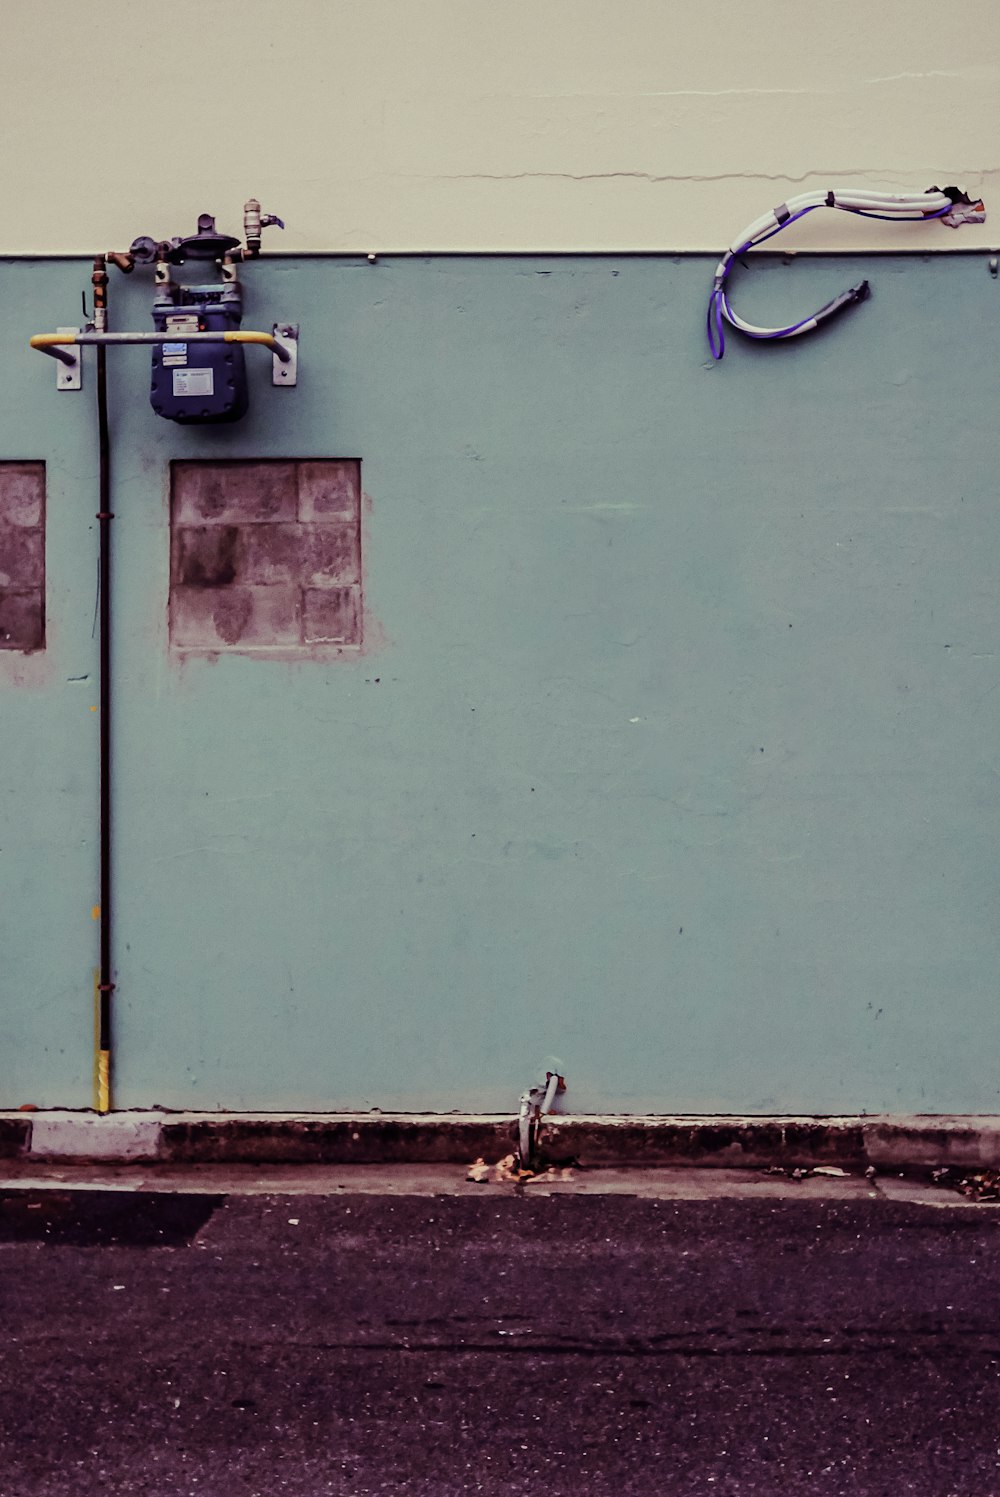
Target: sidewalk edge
896	1142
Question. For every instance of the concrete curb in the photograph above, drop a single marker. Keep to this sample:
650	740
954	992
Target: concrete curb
890	1142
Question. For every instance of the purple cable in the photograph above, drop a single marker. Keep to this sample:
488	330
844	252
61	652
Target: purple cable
716	336
782	332
718	299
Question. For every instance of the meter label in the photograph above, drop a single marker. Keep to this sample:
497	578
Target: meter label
174	353
194	382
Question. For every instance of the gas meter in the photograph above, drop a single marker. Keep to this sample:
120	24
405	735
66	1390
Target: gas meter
196	382
198	366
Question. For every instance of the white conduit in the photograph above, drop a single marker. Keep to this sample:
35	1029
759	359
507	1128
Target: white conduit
535	1103
952	206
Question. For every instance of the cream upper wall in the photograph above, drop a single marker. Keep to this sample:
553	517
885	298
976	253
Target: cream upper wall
517	124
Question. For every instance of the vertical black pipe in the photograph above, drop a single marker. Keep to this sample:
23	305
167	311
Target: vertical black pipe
106	984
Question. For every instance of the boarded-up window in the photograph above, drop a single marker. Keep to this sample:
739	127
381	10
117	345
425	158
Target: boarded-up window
22	556
266	556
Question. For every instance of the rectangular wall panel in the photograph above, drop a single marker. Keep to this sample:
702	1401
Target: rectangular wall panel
669	746
48	704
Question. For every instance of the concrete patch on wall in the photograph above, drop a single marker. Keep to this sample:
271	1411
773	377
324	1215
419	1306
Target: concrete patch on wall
22	556
265	556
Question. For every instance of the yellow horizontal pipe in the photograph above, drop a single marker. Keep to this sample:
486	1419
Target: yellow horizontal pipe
267	339
51	342
46	340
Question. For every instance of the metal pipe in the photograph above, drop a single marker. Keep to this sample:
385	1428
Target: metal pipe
53	343
106	984
552	1086
534	1104
524	1130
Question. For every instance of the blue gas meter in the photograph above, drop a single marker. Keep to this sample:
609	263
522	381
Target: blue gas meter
195	382
198	382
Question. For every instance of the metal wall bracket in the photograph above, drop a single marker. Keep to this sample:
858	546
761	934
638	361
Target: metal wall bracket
287	334
69	370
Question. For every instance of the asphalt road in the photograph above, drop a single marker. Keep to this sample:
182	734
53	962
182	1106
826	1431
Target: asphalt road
247	1346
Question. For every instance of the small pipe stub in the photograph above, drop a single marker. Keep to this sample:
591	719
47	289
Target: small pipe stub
534	1104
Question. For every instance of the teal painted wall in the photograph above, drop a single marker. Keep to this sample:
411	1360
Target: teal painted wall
673	751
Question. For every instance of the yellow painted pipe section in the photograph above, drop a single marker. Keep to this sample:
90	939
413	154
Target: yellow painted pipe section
267	339
46	340
104	1081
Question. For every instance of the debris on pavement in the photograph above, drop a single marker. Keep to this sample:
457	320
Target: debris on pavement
481	1173
803	1172
507	1171
979	1185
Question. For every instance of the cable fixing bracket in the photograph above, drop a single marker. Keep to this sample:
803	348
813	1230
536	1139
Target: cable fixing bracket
285	371
69	369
